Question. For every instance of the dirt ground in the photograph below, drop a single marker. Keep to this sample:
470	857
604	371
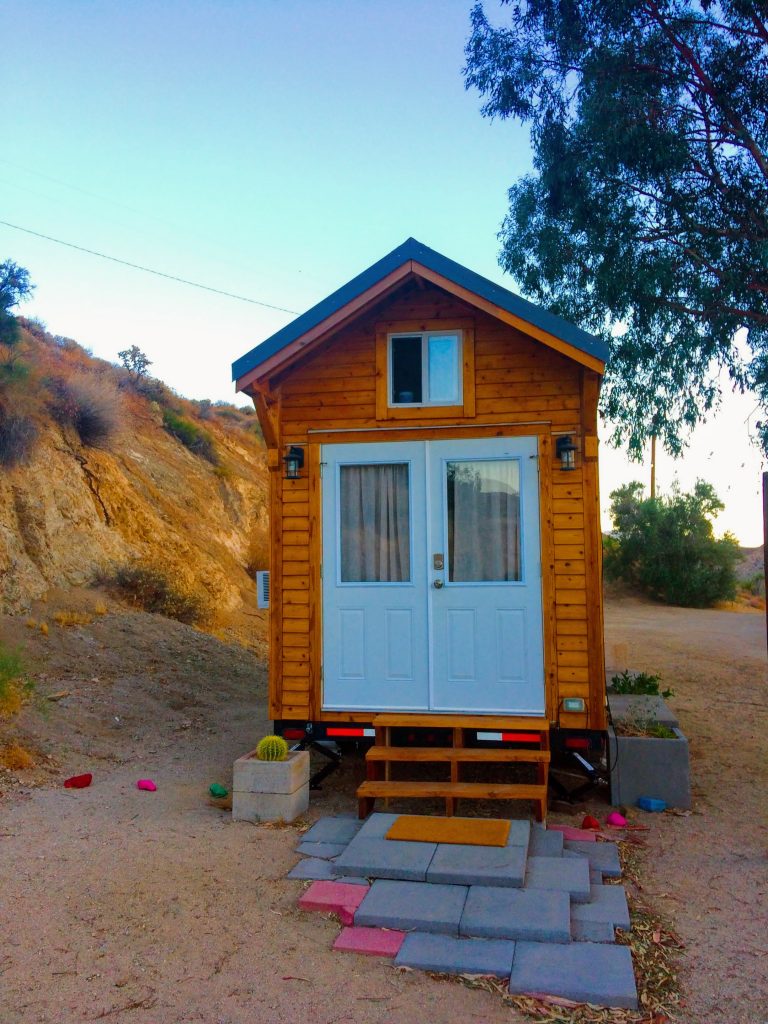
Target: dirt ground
157	908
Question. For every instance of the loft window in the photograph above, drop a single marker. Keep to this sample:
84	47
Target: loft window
425	368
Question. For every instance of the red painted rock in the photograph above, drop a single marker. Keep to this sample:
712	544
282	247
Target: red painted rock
590	822
370	941
79	781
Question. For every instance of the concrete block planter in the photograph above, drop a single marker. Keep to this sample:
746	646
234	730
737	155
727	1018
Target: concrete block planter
650	766
270	790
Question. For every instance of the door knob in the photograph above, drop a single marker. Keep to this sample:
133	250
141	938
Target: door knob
438	584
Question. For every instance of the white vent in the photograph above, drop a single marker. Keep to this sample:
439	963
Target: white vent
262	588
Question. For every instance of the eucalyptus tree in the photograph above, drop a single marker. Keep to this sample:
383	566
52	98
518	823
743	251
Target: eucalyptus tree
646	217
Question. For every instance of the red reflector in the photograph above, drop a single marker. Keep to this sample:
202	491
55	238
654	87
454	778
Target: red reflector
521	737
293	734
577	743
345	732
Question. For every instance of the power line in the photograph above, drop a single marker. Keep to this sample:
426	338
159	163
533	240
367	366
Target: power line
148	270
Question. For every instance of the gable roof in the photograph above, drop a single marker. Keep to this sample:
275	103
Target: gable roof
421	257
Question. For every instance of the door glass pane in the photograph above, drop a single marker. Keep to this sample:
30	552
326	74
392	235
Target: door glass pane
483	499
406	370
444	368
374	516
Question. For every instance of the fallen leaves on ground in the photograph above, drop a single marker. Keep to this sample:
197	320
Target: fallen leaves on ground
655	951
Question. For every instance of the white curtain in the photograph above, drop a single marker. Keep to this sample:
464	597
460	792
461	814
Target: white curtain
484	520
375	534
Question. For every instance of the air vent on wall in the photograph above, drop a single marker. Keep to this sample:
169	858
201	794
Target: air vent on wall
262	588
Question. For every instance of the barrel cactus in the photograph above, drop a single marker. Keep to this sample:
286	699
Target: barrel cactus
272	748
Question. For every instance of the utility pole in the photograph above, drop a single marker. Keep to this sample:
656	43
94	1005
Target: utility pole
765	547
653	467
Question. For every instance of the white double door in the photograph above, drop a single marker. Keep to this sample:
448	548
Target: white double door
432	577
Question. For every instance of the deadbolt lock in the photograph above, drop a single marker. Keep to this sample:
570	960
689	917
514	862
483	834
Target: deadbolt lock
438	562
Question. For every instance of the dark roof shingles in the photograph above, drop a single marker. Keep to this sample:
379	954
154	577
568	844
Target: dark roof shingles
411	249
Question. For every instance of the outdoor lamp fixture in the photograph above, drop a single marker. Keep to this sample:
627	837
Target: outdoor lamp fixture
294	461
565	450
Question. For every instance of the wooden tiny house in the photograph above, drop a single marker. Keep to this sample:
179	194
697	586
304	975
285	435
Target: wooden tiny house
436	545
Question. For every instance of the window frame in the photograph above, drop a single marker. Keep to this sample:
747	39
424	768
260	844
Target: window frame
344	463
424	337
463	408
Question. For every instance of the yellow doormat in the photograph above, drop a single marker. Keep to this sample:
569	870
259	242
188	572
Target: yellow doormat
465	831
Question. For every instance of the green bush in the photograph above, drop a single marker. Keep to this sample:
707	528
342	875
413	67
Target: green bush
666	546
639	683
149	587
198	441
754	584
15	688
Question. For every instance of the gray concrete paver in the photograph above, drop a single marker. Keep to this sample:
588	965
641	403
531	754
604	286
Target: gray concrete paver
606	903
588	972
531	914
450	955
412	906
478	865
559	874
385	858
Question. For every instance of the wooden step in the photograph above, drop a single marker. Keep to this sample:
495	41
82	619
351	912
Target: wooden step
459	790
367	792
482	722
464	754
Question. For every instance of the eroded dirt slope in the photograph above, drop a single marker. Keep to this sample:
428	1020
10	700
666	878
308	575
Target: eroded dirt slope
71	511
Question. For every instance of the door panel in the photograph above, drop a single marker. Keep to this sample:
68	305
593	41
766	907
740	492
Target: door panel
486	636
432	577
374	577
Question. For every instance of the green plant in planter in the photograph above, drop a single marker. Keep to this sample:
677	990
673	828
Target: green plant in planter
637	725
639	684
272	748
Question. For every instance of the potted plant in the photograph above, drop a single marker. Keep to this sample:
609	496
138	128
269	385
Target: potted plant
271	783
648	753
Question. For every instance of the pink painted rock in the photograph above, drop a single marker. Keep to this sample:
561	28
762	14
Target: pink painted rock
569	832
147	784
616	819
340	898
370	941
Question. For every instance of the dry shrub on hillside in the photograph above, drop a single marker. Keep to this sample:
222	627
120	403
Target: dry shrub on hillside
16	757
258	552
88	403
18	434
64	618
151	588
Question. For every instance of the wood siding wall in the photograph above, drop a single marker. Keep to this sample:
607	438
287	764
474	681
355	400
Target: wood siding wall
521	386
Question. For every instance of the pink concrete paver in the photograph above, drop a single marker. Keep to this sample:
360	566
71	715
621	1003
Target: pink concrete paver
370	941
340	898
569	832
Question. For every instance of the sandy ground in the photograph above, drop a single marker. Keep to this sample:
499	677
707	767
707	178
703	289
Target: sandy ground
156	908
709	872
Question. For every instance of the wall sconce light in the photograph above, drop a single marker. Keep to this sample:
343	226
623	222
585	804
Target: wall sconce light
565	450
294	462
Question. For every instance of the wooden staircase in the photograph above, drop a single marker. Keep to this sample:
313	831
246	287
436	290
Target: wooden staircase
383	755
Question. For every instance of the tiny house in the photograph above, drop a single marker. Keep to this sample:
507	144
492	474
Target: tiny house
435	563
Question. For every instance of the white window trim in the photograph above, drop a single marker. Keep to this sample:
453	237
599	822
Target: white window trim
425	336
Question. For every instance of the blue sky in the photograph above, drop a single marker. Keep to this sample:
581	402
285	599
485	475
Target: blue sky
271	149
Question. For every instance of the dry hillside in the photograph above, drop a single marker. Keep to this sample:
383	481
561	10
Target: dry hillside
104	470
